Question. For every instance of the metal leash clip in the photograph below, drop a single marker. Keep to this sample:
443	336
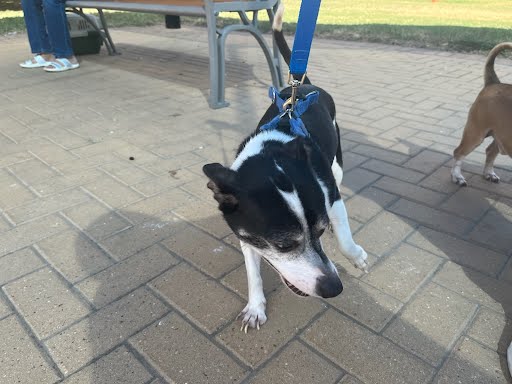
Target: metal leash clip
289	104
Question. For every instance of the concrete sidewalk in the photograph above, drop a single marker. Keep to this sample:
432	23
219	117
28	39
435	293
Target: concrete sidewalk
121	271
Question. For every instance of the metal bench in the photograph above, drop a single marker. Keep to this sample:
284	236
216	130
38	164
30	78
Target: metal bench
216	36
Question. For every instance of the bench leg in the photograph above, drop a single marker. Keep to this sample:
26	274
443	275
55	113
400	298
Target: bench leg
217	72
272	60
275	51
107	32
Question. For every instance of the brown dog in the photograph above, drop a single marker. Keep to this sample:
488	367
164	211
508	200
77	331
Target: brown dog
490	115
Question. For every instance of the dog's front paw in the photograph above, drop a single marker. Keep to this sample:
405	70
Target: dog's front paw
361	261
491	176
253	316
459	180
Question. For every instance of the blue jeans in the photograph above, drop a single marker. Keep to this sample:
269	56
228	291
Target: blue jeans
47	27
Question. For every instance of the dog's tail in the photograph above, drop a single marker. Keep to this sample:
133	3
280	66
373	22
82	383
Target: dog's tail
277	28
490	76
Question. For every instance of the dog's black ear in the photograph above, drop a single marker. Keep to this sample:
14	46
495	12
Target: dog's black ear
223	183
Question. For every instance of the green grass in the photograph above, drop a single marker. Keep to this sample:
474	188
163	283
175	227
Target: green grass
462	25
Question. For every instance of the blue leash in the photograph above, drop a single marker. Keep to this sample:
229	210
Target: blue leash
308	16
292	107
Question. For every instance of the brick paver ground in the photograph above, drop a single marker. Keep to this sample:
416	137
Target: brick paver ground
122	271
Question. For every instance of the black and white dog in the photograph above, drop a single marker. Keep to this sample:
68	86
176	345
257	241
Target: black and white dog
279	196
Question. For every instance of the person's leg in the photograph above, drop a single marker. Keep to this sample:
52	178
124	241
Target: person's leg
57	27
36	27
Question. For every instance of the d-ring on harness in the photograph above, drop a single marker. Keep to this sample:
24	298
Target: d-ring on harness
298	65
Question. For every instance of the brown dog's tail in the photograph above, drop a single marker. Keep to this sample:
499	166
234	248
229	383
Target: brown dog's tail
490	76
277	28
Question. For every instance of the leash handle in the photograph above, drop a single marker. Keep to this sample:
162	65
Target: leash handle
306	24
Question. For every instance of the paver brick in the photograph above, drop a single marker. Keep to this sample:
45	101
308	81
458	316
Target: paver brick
297	363
476	286
66	138
286	313
459	251
367	204
427	161
150	231
12	192
73	255
23	235
99	148
357	179
165	201
470	203
432	217
367	135
351	160
119	366
383	233
410	191
4	225
352	346
494	231
366	304
96	219
206	216
50	153
392	170
506	274
117	280
126	172
380	153
33	171
82	164
21	361
431	323
13	158
472	363
163	166
47	205
182	354
192	293
171	179
112	192
492	329
403	271
76	346
5	310
349	379
204	251
17	264
46	302
60	183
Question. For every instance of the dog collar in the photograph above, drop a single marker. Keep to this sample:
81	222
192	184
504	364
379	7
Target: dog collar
297	127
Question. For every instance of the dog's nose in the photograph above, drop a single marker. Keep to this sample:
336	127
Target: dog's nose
329	286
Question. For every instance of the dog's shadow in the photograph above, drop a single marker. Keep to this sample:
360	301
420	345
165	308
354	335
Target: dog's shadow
468	228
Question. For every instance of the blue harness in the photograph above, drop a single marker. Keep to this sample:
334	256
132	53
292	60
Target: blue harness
294	107
301	105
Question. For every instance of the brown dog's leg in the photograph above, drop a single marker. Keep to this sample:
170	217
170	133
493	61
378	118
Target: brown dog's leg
471	138
492	152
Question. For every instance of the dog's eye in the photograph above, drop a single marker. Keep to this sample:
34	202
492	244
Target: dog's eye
287	247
